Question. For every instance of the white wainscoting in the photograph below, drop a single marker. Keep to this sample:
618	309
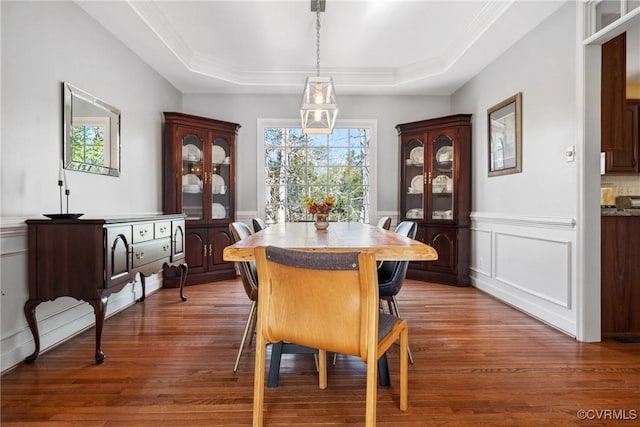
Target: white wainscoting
529	263
58	320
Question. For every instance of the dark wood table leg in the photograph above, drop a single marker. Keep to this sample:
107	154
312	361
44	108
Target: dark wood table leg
144	288
30	314
274	364
100	308
384	379
184	269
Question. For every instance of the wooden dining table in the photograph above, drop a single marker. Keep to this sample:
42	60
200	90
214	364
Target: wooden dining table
340	236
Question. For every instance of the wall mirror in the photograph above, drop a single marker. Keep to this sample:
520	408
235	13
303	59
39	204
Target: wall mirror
91	133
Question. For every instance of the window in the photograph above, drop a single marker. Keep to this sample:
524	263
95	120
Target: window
88	136
297	166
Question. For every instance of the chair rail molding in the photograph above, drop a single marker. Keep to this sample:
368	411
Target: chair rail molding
531	221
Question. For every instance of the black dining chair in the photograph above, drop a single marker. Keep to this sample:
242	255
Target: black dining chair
258	224
249	276
391	274
384	222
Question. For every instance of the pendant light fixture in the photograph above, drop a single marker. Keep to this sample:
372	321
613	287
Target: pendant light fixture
318	109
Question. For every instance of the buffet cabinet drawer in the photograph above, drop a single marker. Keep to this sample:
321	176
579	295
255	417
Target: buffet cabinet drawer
148	252
162	229
143	232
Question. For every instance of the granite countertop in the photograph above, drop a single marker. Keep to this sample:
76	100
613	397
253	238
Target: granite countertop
621	212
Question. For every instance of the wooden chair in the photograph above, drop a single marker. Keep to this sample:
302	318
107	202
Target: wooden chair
329	301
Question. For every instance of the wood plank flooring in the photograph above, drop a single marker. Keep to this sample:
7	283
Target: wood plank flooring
478	362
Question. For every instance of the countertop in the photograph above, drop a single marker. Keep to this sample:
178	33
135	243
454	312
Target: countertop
619	212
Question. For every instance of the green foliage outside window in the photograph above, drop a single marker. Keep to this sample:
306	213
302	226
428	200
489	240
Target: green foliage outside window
87	144
316	166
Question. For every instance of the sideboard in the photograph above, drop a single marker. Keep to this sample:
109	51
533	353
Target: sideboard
90	259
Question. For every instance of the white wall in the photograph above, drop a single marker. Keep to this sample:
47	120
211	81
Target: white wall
524	228
44	44
247	109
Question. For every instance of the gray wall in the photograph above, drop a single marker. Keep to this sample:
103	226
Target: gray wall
525	244
43	44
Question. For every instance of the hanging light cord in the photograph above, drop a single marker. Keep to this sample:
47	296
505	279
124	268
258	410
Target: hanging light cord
318	38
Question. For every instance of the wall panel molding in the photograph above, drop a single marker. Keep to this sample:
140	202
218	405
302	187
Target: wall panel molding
529	263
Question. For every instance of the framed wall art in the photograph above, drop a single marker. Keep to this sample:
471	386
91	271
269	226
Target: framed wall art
505	136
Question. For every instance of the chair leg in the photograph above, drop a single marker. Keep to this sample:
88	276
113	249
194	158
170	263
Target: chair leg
258	381
250	323
394	301
322	369
404	369
372	393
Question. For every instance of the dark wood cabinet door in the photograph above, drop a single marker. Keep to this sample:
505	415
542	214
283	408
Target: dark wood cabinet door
178	240
613	91
219	238
620	293
444	241
118	259
625	160
197	245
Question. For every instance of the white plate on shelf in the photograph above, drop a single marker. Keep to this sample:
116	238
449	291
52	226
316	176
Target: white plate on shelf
191	188
191	179
218	154
218	184
218	211
191	152
416	184
417	155
444	154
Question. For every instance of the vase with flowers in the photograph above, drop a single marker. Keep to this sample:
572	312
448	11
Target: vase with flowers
320	210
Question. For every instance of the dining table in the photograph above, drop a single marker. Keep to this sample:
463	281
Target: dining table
338	237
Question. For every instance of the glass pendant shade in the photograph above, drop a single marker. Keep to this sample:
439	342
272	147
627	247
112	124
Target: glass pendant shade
318	109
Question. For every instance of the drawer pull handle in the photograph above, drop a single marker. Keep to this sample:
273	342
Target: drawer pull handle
140	255
165	247
144	231
163	229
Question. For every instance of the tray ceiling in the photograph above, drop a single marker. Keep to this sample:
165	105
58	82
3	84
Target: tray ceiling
368	47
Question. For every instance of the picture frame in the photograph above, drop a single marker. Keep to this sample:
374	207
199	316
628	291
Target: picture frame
504	136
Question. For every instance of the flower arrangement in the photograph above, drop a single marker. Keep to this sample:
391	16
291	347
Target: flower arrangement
323	207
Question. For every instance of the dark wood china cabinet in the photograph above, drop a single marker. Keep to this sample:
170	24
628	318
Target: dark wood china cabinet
435	192
199	181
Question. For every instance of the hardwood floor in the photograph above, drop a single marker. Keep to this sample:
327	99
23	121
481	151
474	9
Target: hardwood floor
478	362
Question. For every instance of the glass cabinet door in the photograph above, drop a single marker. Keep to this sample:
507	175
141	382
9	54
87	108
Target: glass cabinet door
193	177
414	179
441	179
220	178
